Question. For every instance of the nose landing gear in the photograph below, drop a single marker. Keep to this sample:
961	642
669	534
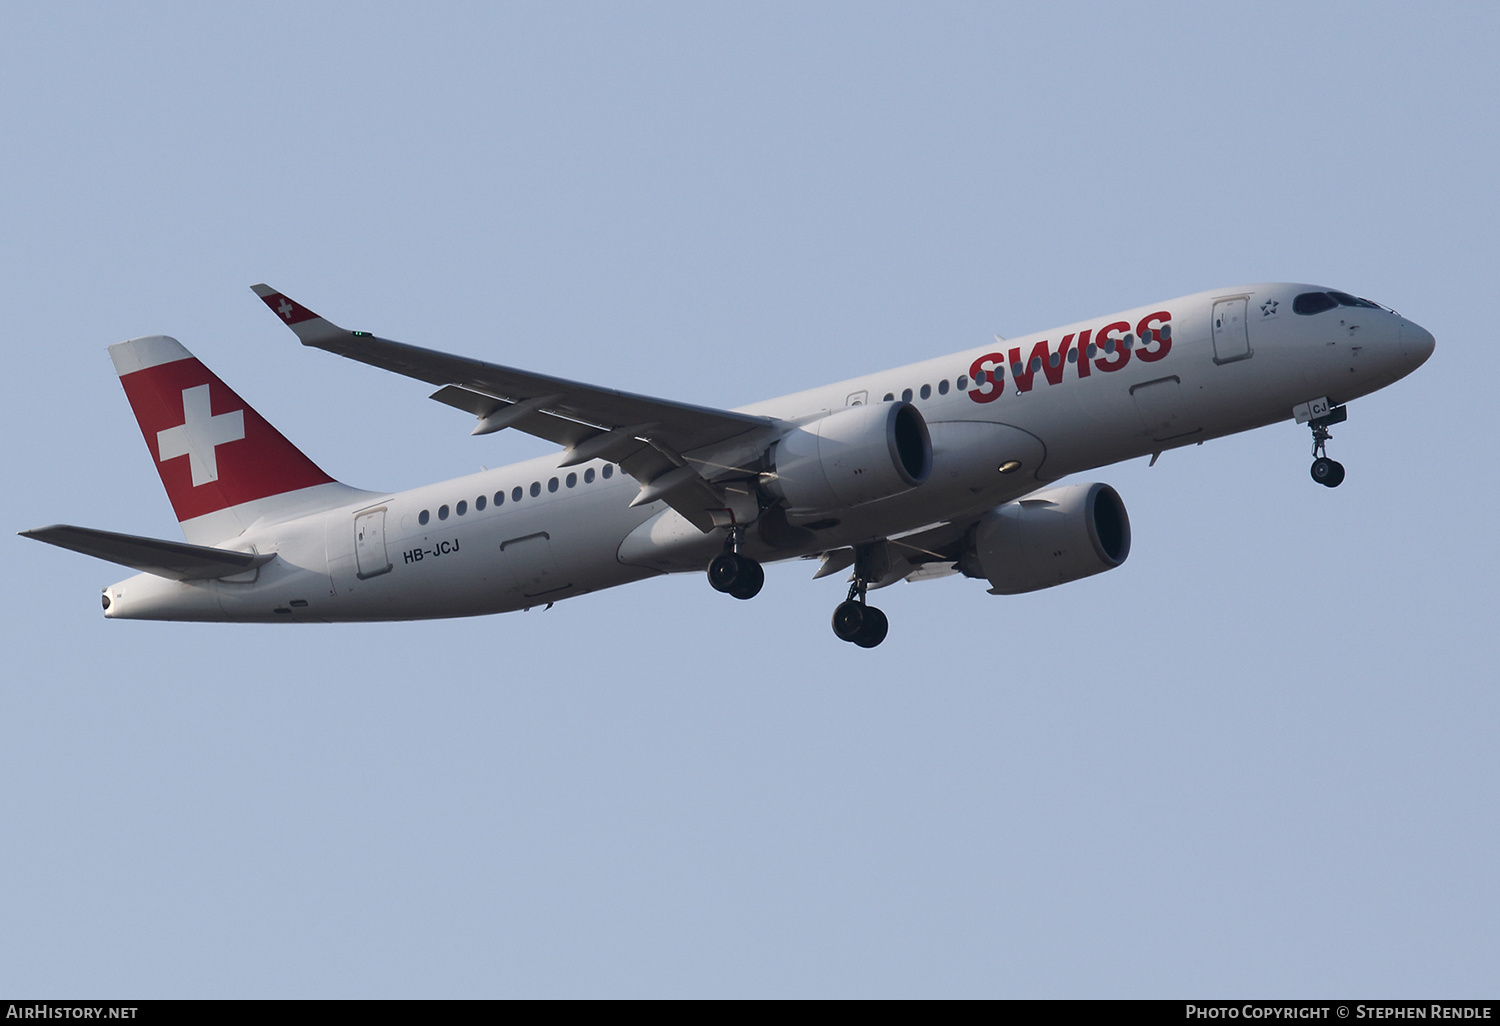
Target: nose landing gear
1325	471
853	620
734	574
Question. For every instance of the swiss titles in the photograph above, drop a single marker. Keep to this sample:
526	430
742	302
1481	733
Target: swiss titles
1105	349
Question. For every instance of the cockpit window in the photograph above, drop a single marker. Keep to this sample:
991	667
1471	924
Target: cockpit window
1313	303
1347	300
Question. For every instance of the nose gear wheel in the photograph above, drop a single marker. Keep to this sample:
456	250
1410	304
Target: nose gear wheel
1325	471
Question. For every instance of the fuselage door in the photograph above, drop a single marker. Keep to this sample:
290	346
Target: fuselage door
1231	333
369	543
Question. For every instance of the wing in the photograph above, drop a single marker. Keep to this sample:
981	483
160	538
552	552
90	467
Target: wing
924	554
177	561
648	437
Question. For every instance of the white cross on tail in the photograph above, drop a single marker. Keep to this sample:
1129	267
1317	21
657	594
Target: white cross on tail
199	434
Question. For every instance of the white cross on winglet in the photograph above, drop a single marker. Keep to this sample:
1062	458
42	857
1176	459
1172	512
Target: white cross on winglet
286	308
199	434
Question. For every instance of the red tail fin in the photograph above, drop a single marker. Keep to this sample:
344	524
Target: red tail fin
212	450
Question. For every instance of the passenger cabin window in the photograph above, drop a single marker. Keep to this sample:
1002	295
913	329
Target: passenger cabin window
588	476
499	498
423	517
906	395
1313	303
479	504
552	485
461	508
926	392
516	493
943	387
572	480
609	470
890	397
536	489
442	512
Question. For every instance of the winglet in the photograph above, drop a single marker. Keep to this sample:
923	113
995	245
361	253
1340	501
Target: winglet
309	327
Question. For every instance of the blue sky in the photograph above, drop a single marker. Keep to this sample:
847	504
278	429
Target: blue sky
1257	759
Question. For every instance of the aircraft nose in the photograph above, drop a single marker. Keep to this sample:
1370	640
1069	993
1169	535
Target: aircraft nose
1417	344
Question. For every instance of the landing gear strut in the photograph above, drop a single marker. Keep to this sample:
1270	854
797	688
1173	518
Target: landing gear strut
734	574
853	620
1324	470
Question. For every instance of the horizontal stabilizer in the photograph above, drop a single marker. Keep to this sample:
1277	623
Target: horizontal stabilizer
177	561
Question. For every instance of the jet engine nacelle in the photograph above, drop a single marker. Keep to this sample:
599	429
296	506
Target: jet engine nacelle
856	455
1050	537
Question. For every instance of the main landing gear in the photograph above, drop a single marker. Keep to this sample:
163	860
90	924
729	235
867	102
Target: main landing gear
1325	471
853	620
734	574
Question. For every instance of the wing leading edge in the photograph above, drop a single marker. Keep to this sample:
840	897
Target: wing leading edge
647	437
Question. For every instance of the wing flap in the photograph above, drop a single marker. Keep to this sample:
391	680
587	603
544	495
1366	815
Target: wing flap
177	561
492	411
924	554
688	492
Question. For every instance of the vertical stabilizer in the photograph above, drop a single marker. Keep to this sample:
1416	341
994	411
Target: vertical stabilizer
223	466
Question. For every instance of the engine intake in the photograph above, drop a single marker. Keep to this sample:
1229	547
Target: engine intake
856	455
1049	538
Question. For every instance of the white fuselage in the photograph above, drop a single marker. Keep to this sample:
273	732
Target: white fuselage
1235	359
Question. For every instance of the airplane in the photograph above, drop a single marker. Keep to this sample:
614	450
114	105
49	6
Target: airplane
945	467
